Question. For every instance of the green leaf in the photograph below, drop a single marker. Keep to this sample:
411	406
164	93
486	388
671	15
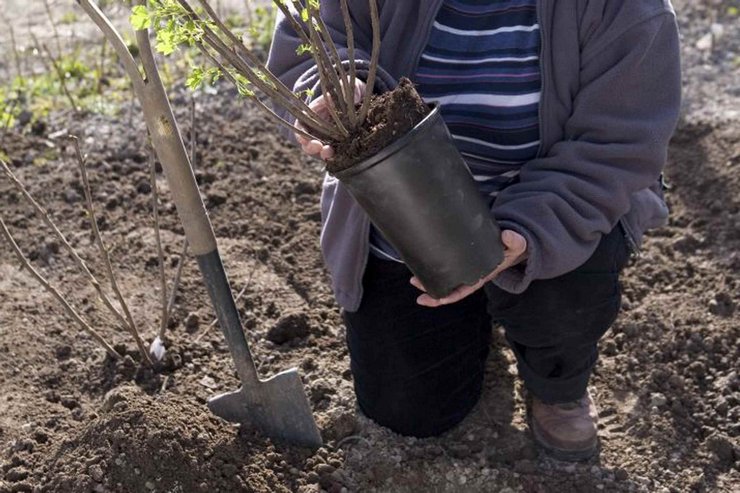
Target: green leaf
303	49
140	18
195	79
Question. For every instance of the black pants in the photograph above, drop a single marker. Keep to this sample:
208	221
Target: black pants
419	371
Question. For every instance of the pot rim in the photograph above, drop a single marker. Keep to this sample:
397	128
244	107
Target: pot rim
387	151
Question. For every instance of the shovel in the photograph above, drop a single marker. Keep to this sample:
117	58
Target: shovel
277	406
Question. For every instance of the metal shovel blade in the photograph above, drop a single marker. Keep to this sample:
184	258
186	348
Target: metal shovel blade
278	406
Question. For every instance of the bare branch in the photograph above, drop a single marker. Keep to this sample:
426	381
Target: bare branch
349	91
75	256
104	253
175	286
158	240
258	74
51	289
375	55
62	78
53	26
119	46
268	111
354	116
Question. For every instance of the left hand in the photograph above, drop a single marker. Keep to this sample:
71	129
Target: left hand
515	251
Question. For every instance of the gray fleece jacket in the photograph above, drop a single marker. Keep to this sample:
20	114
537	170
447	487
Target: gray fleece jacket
610	102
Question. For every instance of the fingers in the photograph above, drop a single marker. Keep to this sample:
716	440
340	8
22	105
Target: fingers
327	152
513	241
312	147
455	296
417	284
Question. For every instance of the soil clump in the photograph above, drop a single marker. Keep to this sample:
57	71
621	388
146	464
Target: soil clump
391	116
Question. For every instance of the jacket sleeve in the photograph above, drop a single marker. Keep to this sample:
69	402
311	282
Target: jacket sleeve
299	72
615	144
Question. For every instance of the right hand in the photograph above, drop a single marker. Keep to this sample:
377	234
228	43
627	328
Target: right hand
314	147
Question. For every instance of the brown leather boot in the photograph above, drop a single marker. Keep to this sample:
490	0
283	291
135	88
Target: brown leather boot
566	431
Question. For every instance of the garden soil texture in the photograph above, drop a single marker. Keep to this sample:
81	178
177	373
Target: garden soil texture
74	420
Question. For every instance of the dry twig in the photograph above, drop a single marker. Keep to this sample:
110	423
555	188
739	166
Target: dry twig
51	289
158	240
106	257
60	236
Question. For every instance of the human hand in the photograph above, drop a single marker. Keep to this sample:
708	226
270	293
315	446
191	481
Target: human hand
515	251
315	147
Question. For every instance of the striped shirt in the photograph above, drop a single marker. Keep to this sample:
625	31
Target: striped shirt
481	66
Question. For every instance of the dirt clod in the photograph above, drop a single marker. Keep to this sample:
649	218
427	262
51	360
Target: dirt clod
289	327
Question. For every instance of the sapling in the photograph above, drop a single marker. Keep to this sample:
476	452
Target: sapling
177	22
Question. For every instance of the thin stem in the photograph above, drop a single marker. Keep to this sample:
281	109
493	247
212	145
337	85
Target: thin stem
114	38
354	116
233	58
375	55
53	26
268	111
322	57
330	84
75	256
62	78
257	73
106	258
51	289
175	287
16	55
349	91
101	66
158	240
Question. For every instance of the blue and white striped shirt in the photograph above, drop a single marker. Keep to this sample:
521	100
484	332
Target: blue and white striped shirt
481	65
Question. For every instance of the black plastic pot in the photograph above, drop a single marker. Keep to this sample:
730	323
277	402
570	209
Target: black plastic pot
421	196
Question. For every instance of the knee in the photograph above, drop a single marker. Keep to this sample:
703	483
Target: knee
419	412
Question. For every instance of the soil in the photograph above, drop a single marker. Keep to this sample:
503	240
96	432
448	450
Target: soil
73	420
391	116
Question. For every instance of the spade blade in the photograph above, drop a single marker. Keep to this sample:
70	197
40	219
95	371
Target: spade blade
277	406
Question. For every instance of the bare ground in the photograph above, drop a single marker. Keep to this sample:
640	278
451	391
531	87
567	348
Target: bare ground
72	420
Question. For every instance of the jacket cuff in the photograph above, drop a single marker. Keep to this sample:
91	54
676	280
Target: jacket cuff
517	279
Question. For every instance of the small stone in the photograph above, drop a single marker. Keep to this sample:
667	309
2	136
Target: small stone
208	382
192	322
16	475
324	469
71	196
149	485
705	43
215	198
312	477
96	472
658	400
722	447
621	474
144	187
40	436
63	351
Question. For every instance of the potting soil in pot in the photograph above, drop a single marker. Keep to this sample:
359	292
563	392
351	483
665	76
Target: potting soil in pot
390	117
